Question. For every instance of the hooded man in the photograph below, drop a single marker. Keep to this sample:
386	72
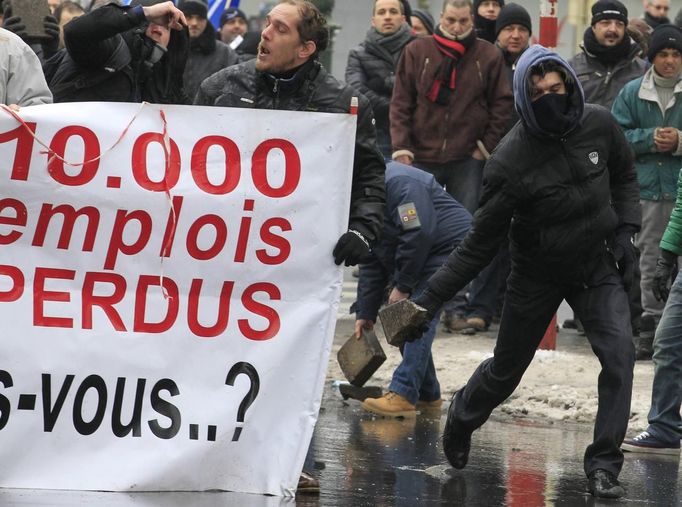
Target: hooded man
609	57
371	66
206	54
485	16
562	186
124	54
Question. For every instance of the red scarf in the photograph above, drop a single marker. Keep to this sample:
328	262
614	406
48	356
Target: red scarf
446	75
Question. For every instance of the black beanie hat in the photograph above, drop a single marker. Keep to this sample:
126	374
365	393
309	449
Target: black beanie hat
407	11
512	14
609	9
425	17
665	36
231	13
477	4
194	8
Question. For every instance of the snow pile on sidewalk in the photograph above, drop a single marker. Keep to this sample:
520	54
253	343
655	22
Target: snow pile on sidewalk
558	385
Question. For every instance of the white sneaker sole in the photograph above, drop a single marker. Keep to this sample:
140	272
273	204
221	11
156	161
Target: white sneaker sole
650	450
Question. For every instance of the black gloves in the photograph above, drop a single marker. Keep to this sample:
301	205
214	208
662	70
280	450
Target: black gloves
15	25
626	257
431	304
665	265
51	45
351	247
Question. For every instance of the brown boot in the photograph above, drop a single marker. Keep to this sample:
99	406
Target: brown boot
430	407
390	405
453	323
474	325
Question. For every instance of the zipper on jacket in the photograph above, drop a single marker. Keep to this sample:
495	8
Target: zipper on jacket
426	64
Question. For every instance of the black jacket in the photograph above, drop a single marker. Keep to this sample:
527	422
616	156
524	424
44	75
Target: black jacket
602	84
312	88
112	39
206	57
564	199
560	197
371	71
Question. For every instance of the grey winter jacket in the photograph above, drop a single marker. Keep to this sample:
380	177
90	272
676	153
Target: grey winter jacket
311	89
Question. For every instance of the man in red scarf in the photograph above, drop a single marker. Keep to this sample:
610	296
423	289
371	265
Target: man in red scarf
450	107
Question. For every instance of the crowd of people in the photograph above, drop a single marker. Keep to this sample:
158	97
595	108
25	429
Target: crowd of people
570	170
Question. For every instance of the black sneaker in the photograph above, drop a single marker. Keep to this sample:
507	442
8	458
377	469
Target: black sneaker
456	443
645	442
603	484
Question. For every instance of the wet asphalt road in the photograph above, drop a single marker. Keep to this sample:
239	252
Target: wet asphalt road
366	461
363	461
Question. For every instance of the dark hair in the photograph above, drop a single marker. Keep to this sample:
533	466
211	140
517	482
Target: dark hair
544	68
68	6
312	26
400	3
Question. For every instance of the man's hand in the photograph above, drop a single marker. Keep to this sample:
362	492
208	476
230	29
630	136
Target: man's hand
431	304
351	248
477	155
50	46
664	267
361	324
397	295
165	14
626	257
404	159
15	25
666	139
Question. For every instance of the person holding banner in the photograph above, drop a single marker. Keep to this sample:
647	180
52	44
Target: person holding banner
287	75
422	225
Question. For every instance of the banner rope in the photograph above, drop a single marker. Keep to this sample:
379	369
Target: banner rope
167	152
52	154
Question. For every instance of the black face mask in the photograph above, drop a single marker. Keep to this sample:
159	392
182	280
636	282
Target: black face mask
551	113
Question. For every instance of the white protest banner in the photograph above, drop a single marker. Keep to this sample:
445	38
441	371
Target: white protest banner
167	307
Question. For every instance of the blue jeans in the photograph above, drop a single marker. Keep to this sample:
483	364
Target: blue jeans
415	377
665	422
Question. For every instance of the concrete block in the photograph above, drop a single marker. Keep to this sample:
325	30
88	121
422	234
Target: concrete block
360	393
401	321
360	358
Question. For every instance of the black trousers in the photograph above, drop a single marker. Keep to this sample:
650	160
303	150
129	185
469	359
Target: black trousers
602	306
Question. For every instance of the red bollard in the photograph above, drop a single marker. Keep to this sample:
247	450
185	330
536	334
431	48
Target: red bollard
549	340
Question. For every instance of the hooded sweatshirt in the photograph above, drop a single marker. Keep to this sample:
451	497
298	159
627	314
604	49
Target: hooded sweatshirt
533	56
560	200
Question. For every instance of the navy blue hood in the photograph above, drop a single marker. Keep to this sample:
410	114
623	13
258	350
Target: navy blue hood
531	57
